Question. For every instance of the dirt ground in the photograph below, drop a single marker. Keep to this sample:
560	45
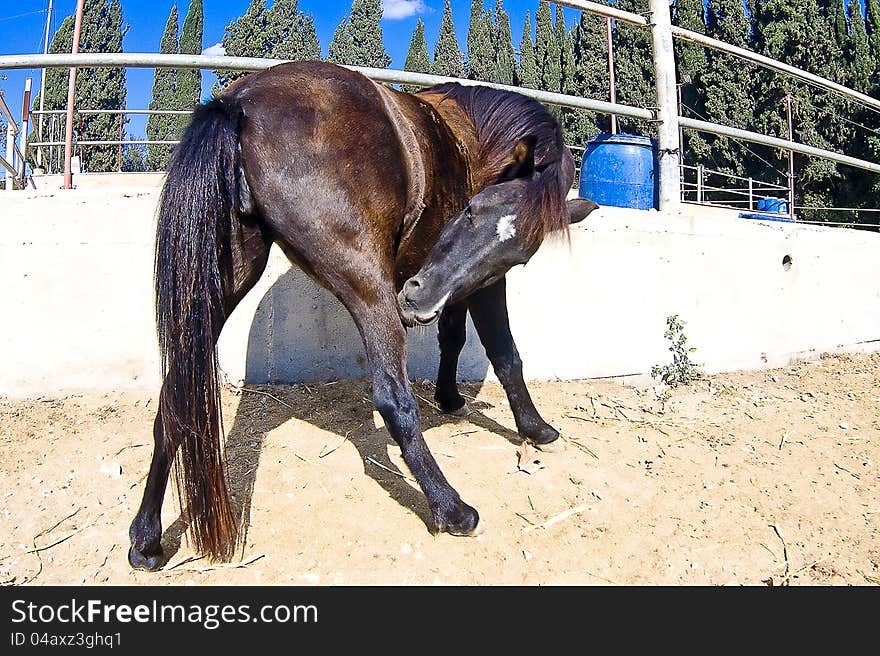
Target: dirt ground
755	478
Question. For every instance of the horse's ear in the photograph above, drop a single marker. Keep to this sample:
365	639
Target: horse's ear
522	160
579	208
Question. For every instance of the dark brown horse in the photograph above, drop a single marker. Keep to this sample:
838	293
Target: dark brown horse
357	183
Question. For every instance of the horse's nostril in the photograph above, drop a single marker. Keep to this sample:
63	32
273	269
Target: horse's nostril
411	287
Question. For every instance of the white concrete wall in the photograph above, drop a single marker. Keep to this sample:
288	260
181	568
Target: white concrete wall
76	307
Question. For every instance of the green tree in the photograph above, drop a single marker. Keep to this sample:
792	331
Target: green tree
292	34
189	80
503	58
307	46
244	37
590	76
417	59
527	72
728	92
634	67
547	54
565	47
448	58
367	47
100	88
835	13
479	44
797	33
858	51
162	127
872	23
341	45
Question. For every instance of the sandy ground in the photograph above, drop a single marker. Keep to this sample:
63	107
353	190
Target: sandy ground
758	478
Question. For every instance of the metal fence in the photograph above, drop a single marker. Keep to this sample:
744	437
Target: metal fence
672	179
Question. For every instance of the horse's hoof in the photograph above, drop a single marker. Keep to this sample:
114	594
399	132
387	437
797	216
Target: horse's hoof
457	407
150	563
463	411
556	446
466	523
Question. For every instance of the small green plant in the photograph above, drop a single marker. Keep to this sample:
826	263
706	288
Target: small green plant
682	371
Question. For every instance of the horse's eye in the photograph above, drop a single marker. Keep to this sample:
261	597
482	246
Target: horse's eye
468	214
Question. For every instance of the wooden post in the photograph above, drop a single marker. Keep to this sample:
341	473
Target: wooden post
71	95
668	144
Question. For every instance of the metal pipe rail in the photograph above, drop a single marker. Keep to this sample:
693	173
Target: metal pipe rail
775	142
155	60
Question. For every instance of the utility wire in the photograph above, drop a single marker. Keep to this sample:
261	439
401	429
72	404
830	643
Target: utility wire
30	13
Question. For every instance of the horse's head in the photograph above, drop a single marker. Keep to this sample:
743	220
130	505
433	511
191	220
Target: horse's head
482	243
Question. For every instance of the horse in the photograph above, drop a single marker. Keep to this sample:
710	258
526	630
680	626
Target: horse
409	208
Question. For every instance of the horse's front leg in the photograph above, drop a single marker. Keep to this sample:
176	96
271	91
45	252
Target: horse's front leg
488	308
451	335
385	341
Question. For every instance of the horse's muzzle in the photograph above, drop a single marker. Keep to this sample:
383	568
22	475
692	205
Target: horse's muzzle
414	308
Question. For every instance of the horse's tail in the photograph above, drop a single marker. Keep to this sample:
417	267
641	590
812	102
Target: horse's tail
203	190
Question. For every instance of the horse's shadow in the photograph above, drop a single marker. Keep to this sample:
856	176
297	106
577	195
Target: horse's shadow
344	408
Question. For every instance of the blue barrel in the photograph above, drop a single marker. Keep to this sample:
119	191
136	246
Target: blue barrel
620	170
775	205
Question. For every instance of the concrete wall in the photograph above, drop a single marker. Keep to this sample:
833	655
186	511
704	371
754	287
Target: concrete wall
76	311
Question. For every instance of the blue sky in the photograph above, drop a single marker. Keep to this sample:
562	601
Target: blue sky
22	26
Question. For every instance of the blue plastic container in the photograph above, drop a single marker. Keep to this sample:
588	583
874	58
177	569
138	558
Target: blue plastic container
620	170
775	205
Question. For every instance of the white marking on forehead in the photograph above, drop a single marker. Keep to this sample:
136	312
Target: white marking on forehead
506	227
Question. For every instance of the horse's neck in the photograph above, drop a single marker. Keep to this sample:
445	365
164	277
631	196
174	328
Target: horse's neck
462	128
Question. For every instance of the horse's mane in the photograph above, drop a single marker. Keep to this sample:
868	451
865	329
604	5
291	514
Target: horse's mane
501	119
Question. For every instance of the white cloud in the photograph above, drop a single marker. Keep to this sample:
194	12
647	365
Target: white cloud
216	50
395	9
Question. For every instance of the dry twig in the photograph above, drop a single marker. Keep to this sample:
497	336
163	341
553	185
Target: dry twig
558	518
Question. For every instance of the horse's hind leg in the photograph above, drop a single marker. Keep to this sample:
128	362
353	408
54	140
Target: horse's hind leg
451	335
488	309
249	254
385	341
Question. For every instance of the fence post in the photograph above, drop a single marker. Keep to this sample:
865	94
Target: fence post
10	153
668	144
22	139
751	194
699	183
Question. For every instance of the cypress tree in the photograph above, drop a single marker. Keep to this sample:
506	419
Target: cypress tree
504	61
448	58
292	34
728	85
796	32
565	48
858	51
189	80
101	88
309	48
634	67
367	48
417	59
281	25
244	37
872	24
340	51
835	13
527	73
547	53
161	127
479	44
590	76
